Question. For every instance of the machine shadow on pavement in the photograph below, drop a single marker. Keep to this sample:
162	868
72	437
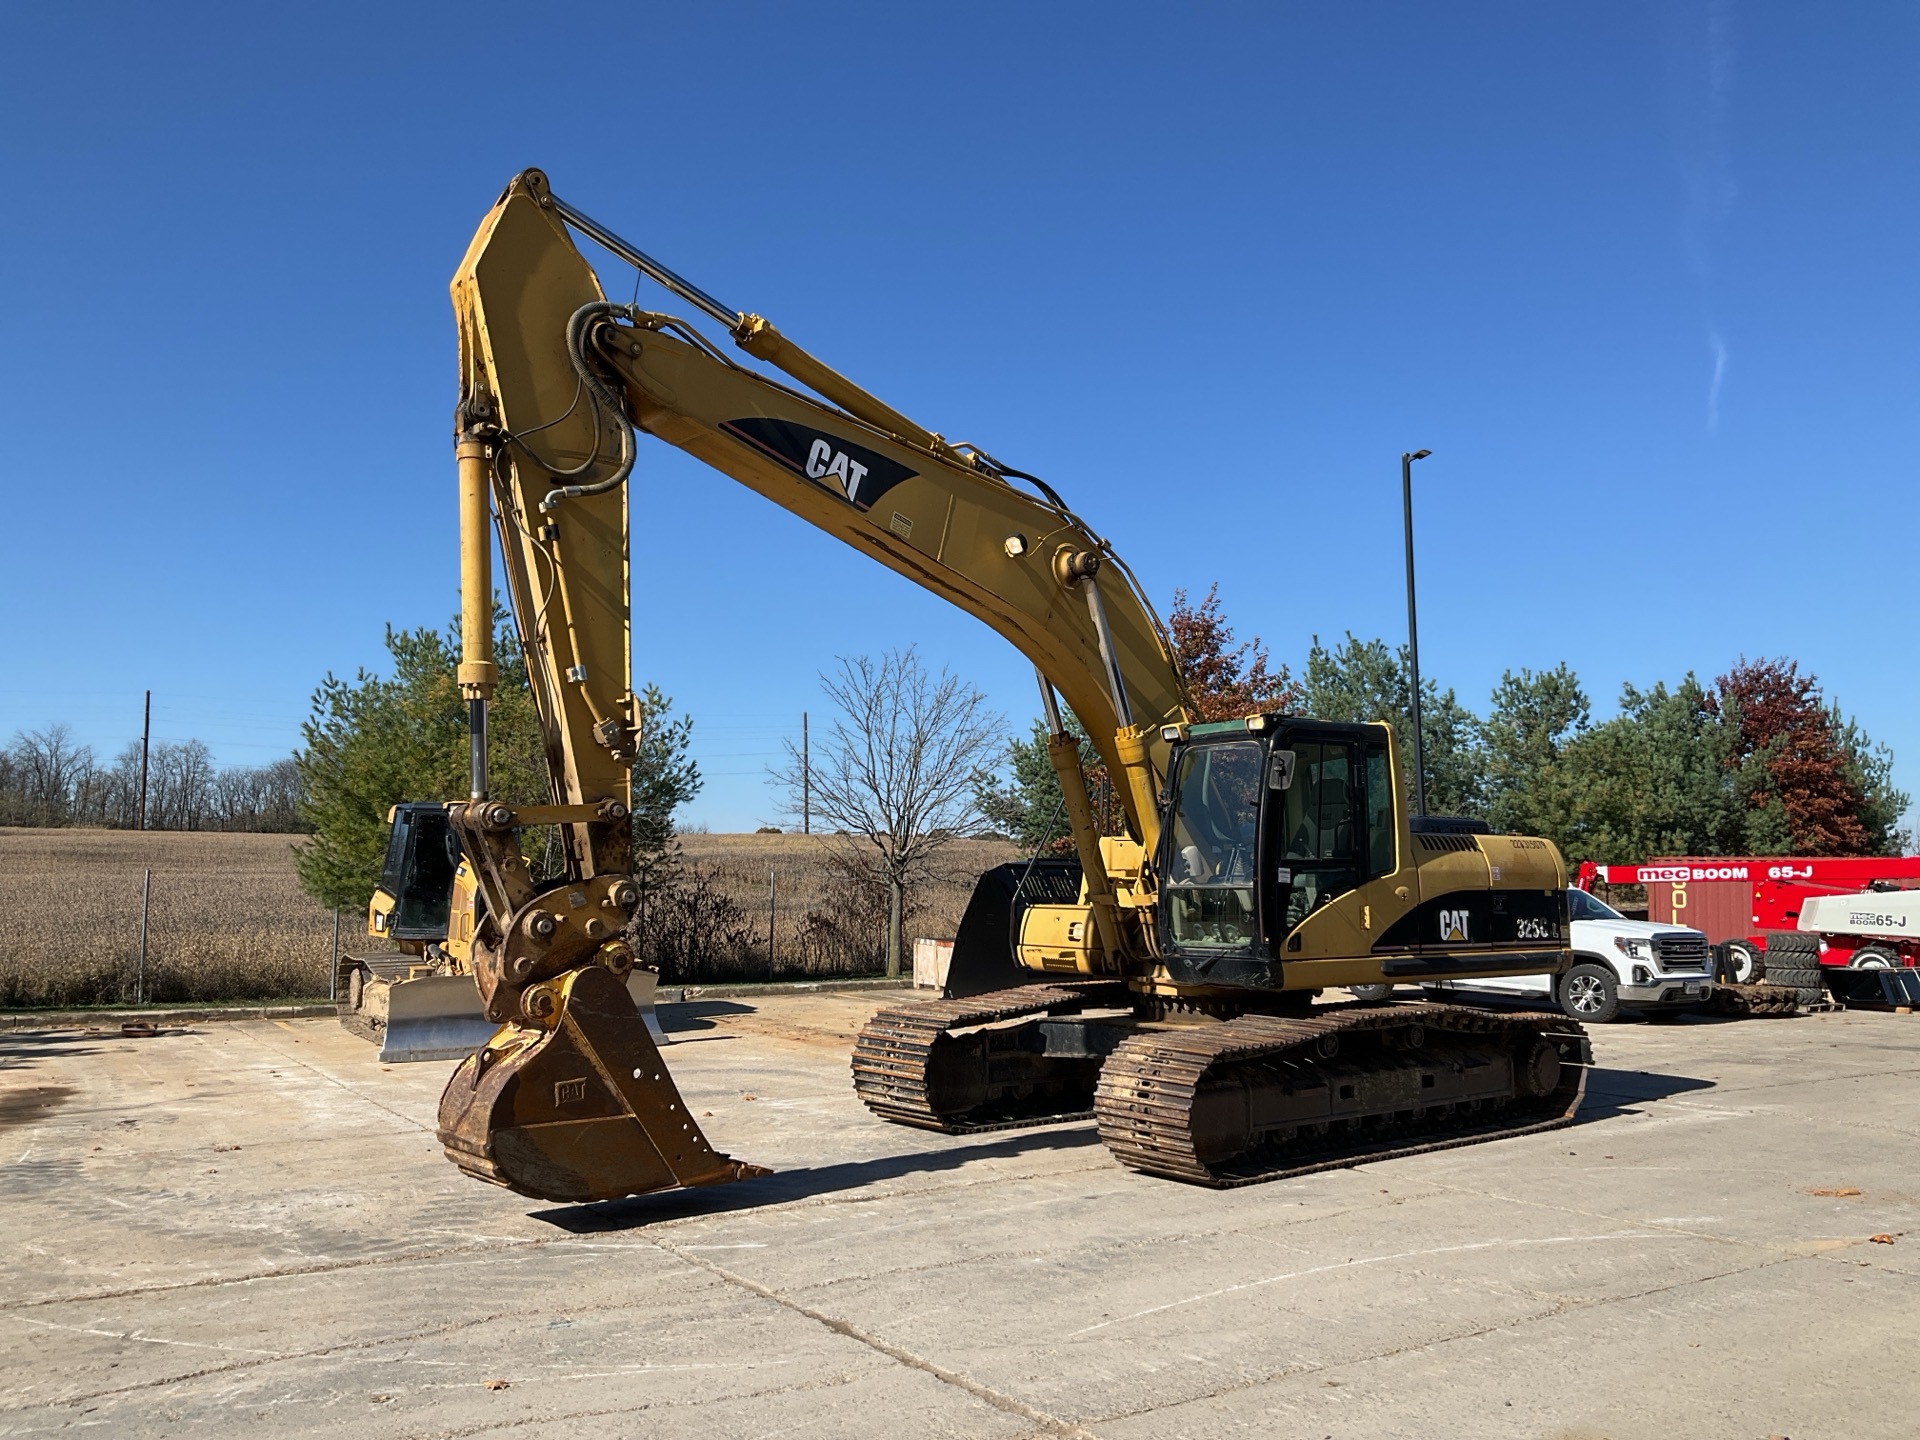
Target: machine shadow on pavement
804	1184
685	1015
1612	1093
22	1049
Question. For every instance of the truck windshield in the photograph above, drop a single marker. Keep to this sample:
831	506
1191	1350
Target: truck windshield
1582	906
1209	889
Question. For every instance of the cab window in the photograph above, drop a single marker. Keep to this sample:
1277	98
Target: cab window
1320	830
1383	834
1210	868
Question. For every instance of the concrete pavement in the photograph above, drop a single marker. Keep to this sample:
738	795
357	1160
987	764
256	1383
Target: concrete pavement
248	1228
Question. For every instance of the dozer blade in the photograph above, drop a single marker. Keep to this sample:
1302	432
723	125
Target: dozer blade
439	1017
579	1110
433	1017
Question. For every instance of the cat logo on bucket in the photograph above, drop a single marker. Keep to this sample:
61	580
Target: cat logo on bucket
1453	925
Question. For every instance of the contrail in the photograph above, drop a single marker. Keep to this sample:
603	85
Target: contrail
1707	160
1719	348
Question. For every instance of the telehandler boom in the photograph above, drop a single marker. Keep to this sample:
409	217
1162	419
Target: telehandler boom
1169	990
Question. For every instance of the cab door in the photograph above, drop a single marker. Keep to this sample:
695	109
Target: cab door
1338	881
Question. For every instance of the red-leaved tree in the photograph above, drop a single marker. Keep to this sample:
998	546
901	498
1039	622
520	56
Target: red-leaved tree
1782	745
1225	681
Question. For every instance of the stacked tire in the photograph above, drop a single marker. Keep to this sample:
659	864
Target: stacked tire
1793	961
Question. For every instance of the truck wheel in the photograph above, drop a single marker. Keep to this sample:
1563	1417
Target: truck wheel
1590	993
1741	962
1370	994
1875	957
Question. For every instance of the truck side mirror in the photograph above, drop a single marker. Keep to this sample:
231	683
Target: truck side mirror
1280	770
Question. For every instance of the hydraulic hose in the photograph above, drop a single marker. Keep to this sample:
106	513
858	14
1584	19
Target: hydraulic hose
604	402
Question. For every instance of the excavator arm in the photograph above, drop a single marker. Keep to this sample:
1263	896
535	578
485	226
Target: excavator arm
554	379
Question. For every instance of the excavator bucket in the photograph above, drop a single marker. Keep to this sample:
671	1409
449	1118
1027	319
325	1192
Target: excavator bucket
579	1107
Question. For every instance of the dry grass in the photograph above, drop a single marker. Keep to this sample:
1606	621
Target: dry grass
228	919
804	891
230	922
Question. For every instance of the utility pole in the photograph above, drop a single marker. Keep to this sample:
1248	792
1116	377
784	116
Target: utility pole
806	780
146	736
1413	634
773	893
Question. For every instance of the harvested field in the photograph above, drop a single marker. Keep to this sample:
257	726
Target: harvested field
819	929
230	922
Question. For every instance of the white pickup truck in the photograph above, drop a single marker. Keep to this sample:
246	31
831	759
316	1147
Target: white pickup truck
1659	970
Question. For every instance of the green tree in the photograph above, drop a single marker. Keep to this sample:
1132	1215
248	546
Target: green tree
1881	804
1363	680
1021	798
1533	719
1653	780
376	740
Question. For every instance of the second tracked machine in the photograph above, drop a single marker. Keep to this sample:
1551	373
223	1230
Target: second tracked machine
1164	984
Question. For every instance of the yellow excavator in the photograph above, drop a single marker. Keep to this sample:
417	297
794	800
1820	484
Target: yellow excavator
1166	986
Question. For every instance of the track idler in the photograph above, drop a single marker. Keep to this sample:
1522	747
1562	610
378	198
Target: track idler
576	1104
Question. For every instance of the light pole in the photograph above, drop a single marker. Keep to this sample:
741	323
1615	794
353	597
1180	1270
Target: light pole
1413	634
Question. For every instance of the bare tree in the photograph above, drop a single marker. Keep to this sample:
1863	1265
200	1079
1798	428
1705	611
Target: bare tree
182	782
45	770
895	771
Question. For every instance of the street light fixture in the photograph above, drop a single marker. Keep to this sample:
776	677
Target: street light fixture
1413	634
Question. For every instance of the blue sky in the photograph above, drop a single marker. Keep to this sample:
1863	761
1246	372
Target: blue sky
1641	276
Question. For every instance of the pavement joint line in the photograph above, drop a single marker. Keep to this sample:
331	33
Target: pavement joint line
1841	1241
1641	1233
264	1358
1050	1424
150	1339
338	1084
547	1418
326	1267
1553	1312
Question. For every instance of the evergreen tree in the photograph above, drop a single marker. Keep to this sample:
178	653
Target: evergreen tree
1535	717
1026	806
1363	680
1651	781
375	741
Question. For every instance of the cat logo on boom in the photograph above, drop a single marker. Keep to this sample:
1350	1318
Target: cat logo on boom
1453	925
847	469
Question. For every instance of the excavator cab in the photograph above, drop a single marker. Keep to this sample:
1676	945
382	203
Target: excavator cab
415	893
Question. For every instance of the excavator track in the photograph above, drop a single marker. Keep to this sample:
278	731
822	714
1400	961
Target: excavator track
1264	1098
935	1066
1747	1001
